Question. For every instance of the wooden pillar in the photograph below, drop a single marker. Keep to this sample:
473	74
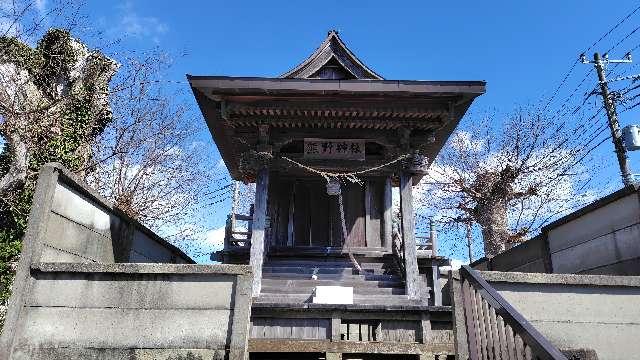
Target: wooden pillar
368	231
258	229
460	343
387	215
408	236
435	279
336	322
333	356
425	327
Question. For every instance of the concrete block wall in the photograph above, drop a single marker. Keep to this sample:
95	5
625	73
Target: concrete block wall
78	225
87	310
94	284
601	238
577	311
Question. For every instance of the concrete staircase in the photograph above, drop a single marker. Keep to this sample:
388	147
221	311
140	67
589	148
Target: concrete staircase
287	278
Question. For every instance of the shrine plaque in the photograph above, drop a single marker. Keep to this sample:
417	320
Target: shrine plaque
338	149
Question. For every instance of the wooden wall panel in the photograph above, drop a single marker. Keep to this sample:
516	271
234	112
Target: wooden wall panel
375	194
400	331
354	213
301	214
335	224
290	328
319	210
280	190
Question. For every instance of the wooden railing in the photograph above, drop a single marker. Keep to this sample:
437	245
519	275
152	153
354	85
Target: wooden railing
426	243
397	247
495	330
238	238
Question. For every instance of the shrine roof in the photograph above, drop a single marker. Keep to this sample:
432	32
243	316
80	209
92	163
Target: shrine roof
228	85
332	59
336	94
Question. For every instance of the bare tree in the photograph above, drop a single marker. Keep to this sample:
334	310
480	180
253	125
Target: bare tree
149	160
27	20
45	93
510	179
53	103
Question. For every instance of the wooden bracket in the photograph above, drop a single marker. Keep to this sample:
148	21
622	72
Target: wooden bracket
405	138
263	139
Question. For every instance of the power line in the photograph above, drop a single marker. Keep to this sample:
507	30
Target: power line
219	189
613	29
571	69
575	63
623	39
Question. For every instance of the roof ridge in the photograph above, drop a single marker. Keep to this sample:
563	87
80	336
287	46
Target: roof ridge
324	53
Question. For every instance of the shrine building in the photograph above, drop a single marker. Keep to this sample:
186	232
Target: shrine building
334	275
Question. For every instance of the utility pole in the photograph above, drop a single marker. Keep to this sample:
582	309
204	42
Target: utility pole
469	242
610	106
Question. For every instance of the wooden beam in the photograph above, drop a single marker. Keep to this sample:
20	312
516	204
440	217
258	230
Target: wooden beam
258	229
408	236
387	215
364	347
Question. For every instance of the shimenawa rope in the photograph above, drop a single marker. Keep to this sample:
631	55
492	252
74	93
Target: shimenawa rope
333	188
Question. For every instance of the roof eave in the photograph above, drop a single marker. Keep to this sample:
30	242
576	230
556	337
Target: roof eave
268	86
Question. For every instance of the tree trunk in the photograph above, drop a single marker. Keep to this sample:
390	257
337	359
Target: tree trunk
493	221
17	173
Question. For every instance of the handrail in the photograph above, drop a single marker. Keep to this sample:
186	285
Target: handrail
495	330
244	239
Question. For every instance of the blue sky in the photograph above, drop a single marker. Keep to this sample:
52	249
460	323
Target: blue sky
521	48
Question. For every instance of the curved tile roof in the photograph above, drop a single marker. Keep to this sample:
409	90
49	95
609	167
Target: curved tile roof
332	60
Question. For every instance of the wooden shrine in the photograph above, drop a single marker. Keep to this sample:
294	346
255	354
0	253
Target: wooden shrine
331	119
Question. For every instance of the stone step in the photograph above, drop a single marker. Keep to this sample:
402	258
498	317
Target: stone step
327	251
320	282
329	276
357	299
310	289
267	268
365	256
326	263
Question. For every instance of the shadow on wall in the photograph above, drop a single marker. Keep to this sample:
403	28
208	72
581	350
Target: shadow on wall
93	283
600	238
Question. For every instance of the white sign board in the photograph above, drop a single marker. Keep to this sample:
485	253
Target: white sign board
333	295
339	149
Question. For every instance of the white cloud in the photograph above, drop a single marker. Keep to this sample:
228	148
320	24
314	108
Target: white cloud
41	6
463	140
138	26
456	264
215	238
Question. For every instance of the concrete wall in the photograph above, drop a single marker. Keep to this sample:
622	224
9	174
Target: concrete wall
80	226
530	256
129	311
577	311
601	238
78	294
604	240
